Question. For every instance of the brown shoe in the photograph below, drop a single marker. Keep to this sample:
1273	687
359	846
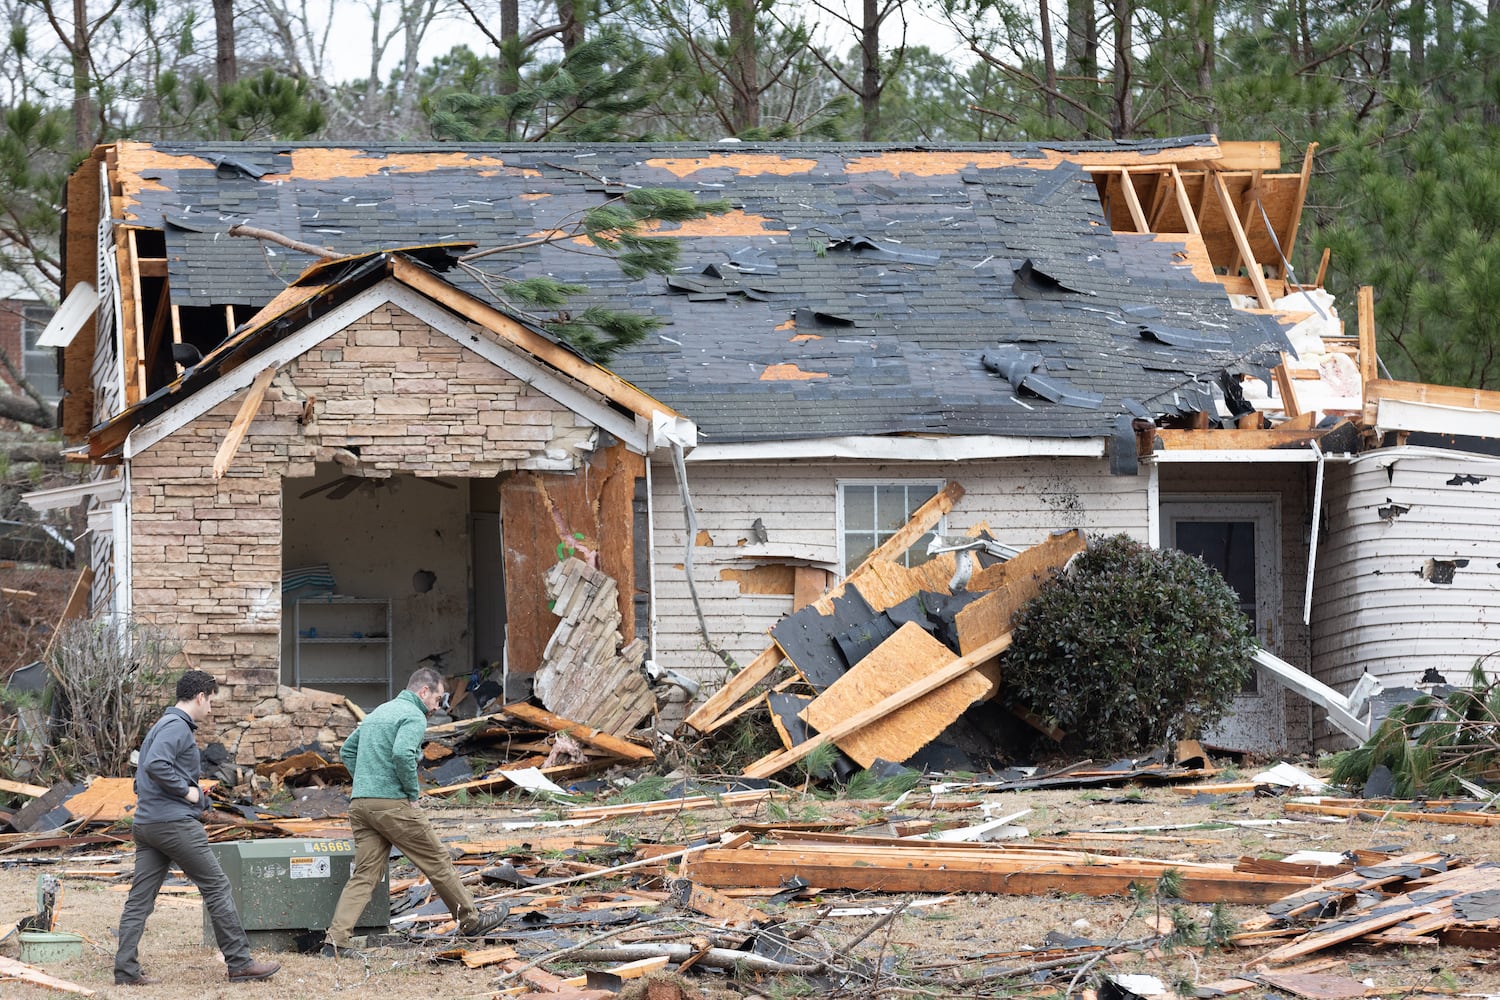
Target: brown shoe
253	972
139	980
485	921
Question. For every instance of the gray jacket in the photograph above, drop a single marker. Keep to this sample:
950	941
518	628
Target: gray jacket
169	765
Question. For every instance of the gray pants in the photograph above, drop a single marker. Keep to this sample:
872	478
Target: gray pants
185	843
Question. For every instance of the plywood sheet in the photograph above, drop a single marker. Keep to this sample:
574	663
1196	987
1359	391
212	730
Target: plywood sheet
105	800
1011	584
909	654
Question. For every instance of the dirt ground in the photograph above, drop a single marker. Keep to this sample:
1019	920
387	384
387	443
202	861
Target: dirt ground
937	946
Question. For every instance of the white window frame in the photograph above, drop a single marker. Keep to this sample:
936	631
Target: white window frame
31	331
841	525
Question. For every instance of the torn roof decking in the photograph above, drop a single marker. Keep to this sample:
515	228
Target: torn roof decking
853	289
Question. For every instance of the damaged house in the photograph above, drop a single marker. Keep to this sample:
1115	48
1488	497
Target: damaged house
328	458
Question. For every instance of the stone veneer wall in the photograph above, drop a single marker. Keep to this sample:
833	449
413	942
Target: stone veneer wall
206	553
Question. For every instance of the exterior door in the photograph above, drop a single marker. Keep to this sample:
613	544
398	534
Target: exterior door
1241	538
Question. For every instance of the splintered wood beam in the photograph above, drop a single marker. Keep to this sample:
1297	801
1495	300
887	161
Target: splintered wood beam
12	969
544	719
1290	242
242	420
158	326
708	716
132	336
1241	241
1368	360
1323	267
770	764
1285	387
1393	811
715	712
1133	203
77	606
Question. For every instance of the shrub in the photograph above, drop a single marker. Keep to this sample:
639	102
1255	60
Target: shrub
1129	646
113	678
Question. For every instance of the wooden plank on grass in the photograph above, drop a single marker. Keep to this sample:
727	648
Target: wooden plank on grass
21	972
943	869
911	652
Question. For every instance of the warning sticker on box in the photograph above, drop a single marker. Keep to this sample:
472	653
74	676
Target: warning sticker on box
311	867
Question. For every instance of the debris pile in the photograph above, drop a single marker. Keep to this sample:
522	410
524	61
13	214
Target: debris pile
889	660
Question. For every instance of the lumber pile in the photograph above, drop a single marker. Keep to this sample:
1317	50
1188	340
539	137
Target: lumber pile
1418	899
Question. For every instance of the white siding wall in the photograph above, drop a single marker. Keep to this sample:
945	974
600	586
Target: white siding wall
1390	513
1022	500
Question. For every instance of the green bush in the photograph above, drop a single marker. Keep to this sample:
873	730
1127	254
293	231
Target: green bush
1129	647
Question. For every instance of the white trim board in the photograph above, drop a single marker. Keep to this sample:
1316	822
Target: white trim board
104	490
1404	415
903	449
508	359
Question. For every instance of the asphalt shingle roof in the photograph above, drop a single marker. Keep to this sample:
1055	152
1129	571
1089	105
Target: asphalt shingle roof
855	289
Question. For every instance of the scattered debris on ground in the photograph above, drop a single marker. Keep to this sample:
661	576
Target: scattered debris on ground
1189	874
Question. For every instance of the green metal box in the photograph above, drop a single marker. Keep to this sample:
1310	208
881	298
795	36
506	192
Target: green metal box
285	888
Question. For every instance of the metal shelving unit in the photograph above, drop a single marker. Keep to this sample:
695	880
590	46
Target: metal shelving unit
342	642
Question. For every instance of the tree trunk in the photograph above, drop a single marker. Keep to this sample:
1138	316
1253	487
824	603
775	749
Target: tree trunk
1491	107
510	46
1049	63
746	82
869	84
1416	37
1122	115
83	105
1082	59
1204	12
224	54
571	15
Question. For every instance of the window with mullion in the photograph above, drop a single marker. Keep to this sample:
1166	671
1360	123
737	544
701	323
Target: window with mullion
871	512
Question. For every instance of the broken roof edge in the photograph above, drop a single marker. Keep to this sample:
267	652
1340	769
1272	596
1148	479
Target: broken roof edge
908	448
296	308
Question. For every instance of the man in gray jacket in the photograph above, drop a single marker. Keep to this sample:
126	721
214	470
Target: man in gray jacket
168	830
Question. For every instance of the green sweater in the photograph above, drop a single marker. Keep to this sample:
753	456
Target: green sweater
382	752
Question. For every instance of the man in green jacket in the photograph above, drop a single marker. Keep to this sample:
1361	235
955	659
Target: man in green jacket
382	756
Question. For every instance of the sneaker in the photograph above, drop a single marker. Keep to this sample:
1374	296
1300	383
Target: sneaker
485	921
331	950
253	972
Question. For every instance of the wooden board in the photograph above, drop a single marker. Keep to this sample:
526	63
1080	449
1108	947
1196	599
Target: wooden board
909	654
944	869
1010	585
770	764
105	800
584	734
21	972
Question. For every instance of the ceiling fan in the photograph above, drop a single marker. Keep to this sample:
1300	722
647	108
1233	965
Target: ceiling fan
338	489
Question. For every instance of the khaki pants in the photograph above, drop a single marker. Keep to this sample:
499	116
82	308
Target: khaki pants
379	825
